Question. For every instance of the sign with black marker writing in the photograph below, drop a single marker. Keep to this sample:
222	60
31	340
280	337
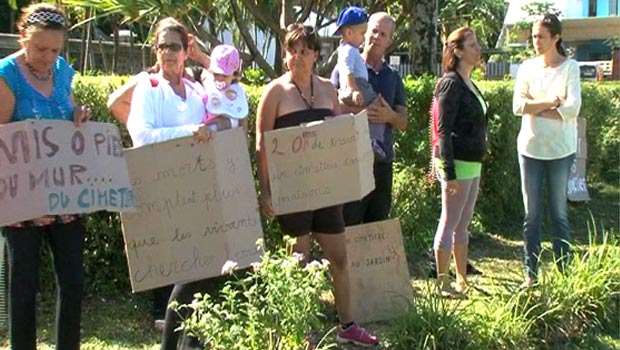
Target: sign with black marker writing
378	271
196	209
320	164
50	167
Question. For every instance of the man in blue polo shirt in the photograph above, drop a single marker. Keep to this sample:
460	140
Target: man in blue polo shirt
389	108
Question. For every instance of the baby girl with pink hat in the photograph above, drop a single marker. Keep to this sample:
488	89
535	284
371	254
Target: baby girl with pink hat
226	101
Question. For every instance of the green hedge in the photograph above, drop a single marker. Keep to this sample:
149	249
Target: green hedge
416	201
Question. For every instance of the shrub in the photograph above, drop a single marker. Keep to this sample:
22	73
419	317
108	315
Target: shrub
254	76
601	108
272	307
415	201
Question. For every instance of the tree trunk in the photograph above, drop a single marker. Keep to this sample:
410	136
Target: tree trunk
286	18
11	20
131	48
422	37
88	60
83	51
250	43
615	64
115	48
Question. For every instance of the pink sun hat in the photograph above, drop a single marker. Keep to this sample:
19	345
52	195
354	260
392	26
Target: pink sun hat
224	60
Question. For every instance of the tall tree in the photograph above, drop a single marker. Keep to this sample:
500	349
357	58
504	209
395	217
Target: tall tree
423	35
485	17
243	20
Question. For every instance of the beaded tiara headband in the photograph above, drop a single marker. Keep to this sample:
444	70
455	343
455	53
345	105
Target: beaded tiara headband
46	16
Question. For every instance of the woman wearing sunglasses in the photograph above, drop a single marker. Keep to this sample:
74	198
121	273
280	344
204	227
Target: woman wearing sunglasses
168	105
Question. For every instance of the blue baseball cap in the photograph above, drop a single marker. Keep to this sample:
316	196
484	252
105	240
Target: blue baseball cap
350	16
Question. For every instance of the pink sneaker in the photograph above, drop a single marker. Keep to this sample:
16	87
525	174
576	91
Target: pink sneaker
356	335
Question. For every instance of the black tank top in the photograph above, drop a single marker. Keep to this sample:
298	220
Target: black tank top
302	116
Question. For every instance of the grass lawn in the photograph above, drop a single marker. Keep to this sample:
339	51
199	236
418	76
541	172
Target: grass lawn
124	322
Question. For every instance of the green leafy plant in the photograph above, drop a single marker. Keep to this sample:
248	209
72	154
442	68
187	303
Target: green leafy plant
516	53
415	201
534	10
254	76
613	42
273	306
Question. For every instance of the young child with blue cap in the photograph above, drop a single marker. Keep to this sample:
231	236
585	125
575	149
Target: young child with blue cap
353	75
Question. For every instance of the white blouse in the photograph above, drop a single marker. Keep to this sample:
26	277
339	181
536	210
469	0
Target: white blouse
544	138
158	114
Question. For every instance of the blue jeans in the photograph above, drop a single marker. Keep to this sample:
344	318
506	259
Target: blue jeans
533	172
66	242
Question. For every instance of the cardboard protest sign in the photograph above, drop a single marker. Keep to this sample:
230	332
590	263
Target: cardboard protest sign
577	186
582	142
319	164
50	167
196	209
577	189
378	272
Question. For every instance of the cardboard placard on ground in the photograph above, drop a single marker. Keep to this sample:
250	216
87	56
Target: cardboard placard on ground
50	167
577	188
196	209
582	142
378	272
320	164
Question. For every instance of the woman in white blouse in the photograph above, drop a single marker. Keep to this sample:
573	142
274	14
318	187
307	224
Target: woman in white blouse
167	104
548	97
164	106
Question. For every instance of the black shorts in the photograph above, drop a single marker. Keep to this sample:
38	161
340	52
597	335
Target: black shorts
325	220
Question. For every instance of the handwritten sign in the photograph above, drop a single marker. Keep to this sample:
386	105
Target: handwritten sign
320	164
196	209
577	188
378	271
50	167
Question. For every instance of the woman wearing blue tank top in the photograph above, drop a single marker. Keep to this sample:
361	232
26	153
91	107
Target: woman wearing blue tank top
35	83
300	96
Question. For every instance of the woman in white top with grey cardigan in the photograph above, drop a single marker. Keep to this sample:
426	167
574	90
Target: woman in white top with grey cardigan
548	97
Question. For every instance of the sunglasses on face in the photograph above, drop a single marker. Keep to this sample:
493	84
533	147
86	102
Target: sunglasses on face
174	47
